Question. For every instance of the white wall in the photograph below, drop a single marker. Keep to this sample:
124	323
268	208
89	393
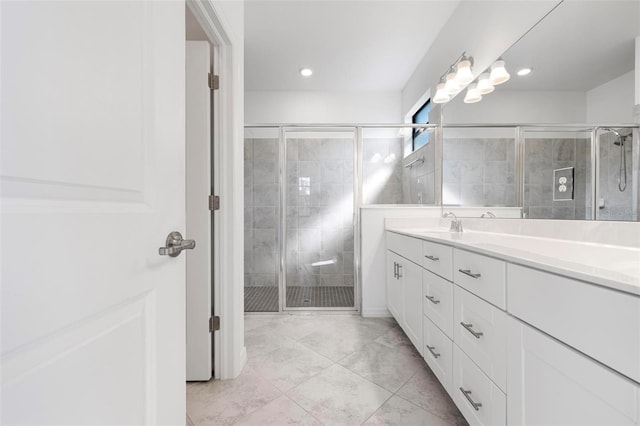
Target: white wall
485	30
263	107
228	297
613	101
373	252
505	106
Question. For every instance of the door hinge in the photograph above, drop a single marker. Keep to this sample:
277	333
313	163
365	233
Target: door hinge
214	202
214	81
214	324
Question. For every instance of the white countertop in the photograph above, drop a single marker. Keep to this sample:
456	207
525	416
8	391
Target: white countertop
611	266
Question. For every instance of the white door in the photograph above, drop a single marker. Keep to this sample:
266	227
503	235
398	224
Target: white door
199	304
93	318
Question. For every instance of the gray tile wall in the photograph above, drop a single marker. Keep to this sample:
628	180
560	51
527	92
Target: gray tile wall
320	212
261	197
478	172
542	156
618	205
418	181
382	171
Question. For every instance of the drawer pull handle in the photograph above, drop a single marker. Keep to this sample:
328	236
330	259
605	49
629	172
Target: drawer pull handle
399	268
466	393
395	270
435	259
433	300
469	328
469	273
433	352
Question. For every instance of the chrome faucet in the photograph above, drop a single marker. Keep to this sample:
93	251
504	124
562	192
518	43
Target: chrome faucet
456	224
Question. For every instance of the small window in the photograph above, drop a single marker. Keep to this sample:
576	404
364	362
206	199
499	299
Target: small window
421	136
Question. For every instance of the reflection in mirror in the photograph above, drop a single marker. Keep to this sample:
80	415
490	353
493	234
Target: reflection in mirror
581	58
557	174
617	196
479	167
390	178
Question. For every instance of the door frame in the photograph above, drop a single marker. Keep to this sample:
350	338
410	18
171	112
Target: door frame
229	352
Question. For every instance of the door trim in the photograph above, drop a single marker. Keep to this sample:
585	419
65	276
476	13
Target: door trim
229	352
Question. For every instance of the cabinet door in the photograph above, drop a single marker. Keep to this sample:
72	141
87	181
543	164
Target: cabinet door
552	384
412	302
394	286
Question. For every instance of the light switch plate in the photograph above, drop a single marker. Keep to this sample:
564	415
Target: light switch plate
563	184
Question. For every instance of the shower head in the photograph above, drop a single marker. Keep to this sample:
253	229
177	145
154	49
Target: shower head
621	134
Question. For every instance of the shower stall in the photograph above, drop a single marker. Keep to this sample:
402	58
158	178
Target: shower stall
300	198
303	186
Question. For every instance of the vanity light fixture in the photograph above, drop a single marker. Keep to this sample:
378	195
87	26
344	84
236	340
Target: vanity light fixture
442	96
484	84
464	75
452	86
457	76
499	73
524	71
473	95
306	72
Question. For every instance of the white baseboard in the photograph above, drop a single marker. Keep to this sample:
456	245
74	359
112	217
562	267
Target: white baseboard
376	313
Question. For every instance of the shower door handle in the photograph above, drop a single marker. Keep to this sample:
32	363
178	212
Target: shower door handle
175	244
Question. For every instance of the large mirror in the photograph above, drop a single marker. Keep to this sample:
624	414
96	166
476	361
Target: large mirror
542	127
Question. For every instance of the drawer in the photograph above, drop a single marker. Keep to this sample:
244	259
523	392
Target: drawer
482	276
407	247
483	336
437	301
438	353
438	259
599	322
471	386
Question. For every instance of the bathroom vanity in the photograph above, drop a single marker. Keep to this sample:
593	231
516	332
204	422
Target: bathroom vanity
522	330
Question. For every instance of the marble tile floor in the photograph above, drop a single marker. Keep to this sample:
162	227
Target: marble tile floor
324	369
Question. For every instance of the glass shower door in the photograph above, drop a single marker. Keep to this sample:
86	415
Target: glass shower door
319	220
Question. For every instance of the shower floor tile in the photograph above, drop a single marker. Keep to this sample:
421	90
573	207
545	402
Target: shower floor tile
265	299
319	297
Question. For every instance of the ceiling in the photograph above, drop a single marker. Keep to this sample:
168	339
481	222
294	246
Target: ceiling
355	45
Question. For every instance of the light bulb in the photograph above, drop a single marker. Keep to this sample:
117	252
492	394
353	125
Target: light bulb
484	84
524	71
306	72
452	85
442	95
464	75
498	73
472	95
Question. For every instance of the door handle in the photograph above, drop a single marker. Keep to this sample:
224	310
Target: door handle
175	244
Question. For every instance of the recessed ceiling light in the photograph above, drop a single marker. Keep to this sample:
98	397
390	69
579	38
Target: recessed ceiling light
524	71
306	72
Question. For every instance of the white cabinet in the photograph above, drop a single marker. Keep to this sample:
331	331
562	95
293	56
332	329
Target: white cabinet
552	384
480	331
438	259
404	285
478	398
437	301
438	353
481	275
394	285
597	321
411	276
